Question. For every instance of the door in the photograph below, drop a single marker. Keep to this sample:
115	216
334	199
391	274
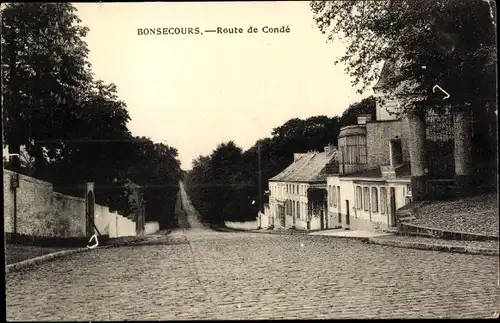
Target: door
294	212
393	206
325	207
90	213
339	201
321	217
347	214
282	215
396	152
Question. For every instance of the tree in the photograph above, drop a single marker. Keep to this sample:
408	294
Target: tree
225	185
97	148
73	126
155	167
451	43
44	69
365	106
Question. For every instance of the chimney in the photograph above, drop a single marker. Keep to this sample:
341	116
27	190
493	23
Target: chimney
329	149
363	118
296	156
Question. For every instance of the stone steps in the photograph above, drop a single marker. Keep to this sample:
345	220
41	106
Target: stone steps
416	230
423	243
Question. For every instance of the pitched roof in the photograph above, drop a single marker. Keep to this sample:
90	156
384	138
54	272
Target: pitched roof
307	167
392	80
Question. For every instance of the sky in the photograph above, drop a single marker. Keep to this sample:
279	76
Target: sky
194	92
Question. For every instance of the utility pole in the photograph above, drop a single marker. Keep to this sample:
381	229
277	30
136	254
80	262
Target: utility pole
260	178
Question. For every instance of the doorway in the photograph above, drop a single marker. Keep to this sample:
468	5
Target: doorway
282	215
347	214
396	152
90	213
339	201
327	214
321	215
393	206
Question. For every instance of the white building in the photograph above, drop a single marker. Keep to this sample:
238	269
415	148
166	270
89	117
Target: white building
289	192
374	178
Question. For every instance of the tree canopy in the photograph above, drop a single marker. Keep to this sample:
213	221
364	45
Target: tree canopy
72	125
450	43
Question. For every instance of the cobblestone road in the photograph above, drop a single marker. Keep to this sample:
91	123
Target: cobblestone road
218	275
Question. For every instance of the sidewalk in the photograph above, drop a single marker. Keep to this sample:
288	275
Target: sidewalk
17	253
265	231
489	247
359	234
22	256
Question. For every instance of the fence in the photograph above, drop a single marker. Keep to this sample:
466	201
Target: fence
34	209
440	145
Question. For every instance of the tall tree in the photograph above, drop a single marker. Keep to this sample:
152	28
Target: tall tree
155	167
451	43
44	69
365	106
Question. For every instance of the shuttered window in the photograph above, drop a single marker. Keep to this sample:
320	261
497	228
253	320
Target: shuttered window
359	197
374	199
366	198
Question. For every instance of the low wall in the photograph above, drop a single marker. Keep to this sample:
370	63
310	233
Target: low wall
151	227
41	212
265	221
249	225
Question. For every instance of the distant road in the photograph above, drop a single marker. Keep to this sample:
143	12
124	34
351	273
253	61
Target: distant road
192	220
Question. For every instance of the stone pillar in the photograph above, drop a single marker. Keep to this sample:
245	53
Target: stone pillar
463	149
418	160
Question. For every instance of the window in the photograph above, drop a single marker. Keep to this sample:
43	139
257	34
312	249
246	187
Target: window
366	198
374	199
358	197
298	209
334	196
383	200
338	198
329	195
408	190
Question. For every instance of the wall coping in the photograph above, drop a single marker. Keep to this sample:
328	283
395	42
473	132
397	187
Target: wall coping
69	197
383	121
29	178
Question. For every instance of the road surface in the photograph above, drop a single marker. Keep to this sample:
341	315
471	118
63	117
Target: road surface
217	275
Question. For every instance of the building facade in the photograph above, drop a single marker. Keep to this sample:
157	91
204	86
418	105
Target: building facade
290	203
374	178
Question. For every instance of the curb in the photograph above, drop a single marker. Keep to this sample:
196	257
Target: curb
41	259
278	232
363	239
434	247
18	266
